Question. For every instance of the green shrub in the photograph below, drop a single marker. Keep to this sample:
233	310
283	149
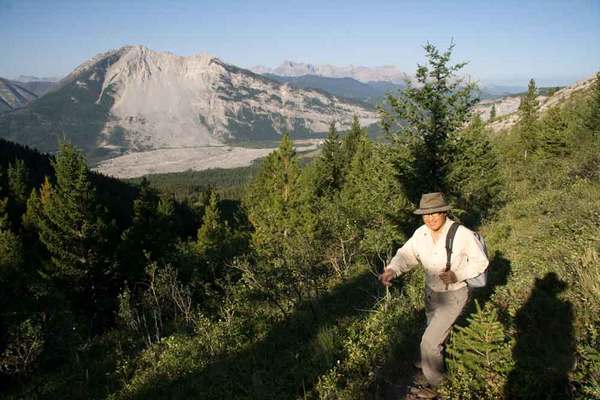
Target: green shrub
375	343
479	358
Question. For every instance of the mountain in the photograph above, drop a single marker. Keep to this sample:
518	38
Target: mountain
17	94
371	92
507	106
30	78
380	79
489	91
14	95
135	99
363	74
38	87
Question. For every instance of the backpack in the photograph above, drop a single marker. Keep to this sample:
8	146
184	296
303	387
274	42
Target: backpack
481	279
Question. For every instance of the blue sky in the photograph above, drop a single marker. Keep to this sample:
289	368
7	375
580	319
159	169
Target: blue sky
508	42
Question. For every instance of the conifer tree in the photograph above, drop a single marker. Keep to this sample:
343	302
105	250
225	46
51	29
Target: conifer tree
213	240
284	230
593	122
553	135
273	198
148	235
350	144
492	113
372	206
11	249
72	227
527	125
166	207
329	166
18	181
472	174
32	212
479	358
423	116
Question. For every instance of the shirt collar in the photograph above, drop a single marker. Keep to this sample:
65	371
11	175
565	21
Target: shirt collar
447	225
444	229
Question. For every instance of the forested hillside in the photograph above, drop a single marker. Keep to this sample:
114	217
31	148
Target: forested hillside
123	291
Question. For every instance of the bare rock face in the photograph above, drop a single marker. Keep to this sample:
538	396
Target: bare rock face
504	106
507	107
163	100
135	99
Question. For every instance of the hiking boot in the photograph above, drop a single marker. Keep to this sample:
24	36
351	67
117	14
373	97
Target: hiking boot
424	393
420	380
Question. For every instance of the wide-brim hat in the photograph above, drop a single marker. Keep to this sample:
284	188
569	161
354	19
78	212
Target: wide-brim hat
432	203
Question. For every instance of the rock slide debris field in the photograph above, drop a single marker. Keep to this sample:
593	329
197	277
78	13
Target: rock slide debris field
183	159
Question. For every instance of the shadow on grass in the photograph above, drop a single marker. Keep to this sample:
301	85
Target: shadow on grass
286	363
399	372
544	352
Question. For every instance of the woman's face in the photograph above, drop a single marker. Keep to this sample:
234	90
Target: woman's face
435	221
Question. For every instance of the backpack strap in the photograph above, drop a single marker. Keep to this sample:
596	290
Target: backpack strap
449	242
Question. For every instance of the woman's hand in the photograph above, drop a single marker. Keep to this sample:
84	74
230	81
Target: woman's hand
386	277
448	277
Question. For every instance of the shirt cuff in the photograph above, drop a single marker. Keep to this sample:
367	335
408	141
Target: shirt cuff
397	271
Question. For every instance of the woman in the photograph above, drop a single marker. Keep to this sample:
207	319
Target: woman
446	291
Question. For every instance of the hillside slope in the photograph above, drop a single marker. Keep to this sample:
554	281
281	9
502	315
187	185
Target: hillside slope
14	95
506	107
371	92
538	326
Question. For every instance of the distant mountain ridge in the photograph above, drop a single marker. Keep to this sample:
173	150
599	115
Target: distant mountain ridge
15	94
135	99
371	92
360	73
30	78
381	80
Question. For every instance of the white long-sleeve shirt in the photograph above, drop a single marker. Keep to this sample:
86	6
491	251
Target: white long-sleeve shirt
468	258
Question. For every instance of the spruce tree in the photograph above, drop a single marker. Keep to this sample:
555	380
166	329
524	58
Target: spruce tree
422	117
553	135
33	211
73	228
350	144
479	358
284	230
273	198
372	207
492	113
18	181
473	173
329	172
528	119
11	249
213	242
593	122
148	237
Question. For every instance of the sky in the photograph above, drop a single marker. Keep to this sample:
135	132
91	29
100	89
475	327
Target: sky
506	42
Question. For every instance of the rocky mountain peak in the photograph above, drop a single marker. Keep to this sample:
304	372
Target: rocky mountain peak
135	99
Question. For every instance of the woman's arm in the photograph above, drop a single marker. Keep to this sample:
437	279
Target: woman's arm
475	261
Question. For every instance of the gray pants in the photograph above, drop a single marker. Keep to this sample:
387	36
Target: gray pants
442	309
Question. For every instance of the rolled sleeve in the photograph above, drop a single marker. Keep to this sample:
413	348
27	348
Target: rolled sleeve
405	258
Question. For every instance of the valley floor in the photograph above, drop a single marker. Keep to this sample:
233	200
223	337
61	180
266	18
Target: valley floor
189	158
